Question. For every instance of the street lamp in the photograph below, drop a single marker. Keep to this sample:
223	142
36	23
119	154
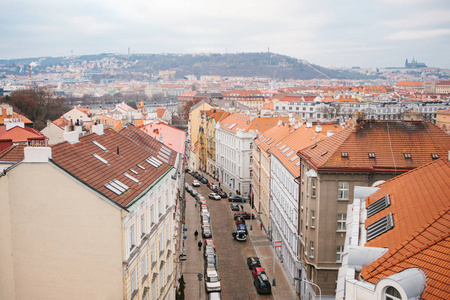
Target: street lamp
310	282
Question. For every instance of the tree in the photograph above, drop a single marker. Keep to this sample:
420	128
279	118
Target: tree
180	291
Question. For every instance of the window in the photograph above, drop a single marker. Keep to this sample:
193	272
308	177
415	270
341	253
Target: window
152	215
154	291
378	206
343	190
434	156
161	278
341	222
311	250
339	252
132	237
144	266
159	206
167	199
391	293
161	244
407	155
134	281
313	218
371	155
153	255
143	229
344	154
379	227
313	188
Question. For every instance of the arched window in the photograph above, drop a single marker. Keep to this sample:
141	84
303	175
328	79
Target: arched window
391	293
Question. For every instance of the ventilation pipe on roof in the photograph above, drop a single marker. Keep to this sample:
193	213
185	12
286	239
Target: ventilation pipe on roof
330	133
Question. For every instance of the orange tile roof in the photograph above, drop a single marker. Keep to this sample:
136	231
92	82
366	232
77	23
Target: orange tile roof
110	122
172	137
420	204
239	121
263	124
268	105
160	112
78	160
20	135
389	140
4	116
218	115
297	139
409	84
272	136
61	123
443	82
13	153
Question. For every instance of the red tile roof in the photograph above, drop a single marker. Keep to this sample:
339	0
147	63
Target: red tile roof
152	145
172	137
4	116
78	160
389	140
160	112
420	204
272	136
13	153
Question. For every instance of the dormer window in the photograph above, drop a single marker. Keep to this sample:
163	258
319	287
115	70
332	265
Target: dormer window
371	154
434	155
407	155
344	154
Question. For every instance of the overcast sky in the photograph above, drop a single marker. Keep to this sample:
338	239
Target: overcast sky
339	33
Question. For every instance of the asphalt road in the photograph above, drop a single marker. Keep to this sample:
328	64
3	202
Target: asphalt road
236	279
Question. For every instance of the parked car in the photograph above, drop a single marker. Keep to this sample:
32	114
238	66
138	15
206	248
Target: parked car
234	207
213	187
253	262
209	242
209	250
244	215
199	197
194	193
187	170
188	188
205	213
240	221
206	232
204	218
262	284
209	184
212	282
240	236
195	183
205	222
257	271
203	201
242	227
204	180
210	267
214	196
214	296
210	259
236	199
222	194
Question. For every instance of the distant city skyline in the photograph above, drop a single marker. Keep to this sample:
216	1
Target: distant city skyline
378	33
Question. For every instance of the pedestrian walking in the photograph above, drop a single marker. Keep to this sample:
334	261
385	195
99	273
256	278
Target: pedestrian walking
196	234
242	207
260	225
199	245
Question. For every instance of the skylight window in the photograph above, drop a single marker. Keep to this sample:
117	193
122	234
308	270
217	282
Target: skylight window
100	159
286	150
313	146
154	162
140	167
297	164
99	145
282	147
278	144
134	172
232	126
165	150
344	154
164	159
314	137
378	206
379	227
131	177
434	156
371	155
290	153
117	187
324	152
293	158
407	155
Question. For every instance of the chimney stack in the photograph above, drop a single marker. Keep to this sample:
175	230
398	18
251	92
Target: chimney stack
358	119
37	154
98	129
330	133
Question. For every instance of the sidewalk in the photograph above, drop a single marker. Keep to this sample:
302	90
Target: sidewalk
263	249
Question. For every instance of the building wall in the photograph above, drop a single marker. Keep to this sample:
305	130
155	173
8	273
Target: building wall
194	120
325	234
61	245
54	134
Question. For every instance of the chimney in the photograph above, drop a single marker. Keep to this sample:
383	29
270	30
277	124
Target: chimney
308	124
318	128
71	137
330	133
358	118
37	154
10	124
98	129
